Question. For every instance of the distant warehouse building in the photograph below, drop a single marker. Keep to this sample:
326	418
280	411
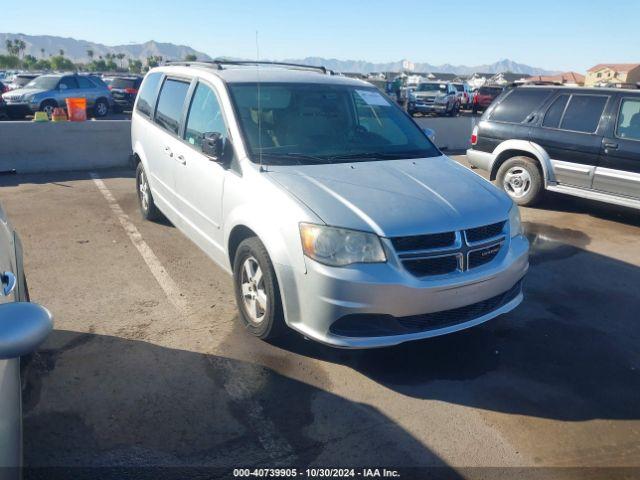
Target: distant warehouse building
605	73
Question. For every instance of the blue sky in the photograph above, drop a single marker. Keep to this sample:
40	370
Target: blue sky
553	34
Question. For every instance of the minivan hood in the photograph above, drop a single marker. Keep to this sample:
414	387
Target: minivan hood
396	197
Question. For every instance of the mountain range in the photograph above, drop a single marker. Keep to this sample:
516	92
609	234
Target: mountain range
76	50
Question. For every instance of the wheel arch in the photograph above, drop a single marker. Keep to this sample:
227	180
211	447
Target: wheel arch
521	148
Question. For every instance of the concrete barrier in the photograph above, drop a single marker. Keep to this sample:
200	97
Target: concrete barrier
29	147
452	133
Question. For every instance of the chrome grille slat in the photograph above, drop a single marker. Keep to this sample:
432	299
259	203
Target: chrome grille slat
450	252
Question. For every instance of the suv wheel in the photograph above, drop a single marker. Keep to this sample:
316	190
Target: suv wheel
256	288
521	178
101	108
145	199
48	106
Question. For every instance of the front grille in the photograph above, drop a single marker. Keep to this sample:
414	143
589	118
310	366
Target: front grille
483	256
446	318
423	242
432	266
371	325
483	233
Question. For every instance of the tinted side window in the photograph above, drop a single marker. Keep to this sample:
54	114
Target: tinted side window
628	125
170	103
84	82
583	113
70	82
519	104
554	114
205	116
147	95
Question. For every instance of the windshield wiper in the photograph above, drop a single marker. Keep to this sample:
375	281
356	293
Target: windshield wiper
369	155
297	157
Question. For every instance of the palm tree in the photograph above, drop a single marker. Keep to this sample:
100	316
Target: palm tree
20	46
120	56
90	54
61	51
42	52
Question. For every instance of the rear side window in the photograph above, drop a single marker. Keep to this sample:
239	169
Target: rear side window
124	83
147	95
519	104
84	82
70	82
554	114
628	125
583	113
170	104
205	116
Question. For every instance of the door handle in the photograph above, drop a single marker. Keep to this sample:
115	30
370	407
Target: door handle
182	160
8	283
168	151
612	146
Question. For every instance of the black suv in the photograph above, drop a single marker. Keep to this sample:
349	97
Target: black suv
124	91
580	141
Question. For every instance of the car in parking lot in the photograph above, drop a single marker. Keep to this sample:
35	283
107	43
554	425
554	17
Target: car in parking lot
464	94
331	209
21	79
47	92
483	97
434	97
23	326
578	141
124	91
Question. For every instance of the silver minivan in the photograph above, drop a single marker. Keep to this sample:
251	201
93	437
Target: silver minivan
333	211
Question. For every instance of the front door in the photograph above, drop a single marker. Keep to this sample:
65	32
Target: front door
619	169
571	137
199	179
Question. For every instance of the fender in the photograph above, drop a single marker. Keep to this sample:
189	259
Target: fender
534	149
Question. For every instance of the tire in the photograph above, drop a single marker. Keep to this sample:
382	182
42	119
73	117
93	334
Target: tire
101	108
521	179
47	106
254	278
147	205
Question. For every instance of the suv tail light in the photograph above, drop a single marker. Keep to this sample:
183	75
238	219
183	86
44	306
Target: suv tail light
474	136
131	91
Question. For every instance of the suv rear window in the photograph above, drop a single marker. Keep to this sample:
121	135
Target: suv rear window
519	104
583	113
147	95
122	83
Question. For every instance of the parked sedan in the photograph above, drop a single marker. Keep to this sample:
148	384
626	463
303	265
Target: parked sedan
124	91
23	326
47	92
21	79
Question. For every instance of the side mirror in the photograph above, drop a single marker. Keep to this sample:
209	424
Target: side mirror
23	326
431	134
213	146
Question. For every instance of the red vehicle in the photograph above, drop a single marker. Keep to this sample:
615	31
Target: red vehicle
3	88
484	96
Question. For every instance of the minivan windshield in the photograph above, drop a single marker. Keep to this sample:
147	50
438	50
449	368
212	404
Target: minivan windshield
320	123
45	82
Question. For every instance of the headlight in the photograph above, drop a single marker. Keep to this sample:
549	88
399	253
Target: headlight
515	224
339	246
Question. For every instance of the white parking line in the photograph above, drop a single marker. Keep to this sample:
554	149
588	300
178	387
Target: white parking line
170	288
276	446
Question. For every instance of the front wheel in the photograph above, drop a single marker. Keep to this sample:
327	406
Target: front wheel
521	178
257	292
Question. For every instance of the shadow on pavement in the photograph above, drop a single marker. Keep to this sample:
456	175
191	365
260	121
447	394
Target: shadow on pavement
13	180
102	401
569	352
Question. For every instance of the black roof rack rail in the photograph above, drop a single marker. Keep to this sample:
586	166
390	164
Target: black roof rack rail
219	63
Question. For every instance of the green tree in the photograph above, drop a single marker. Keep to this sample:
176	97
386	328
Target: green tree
29	62
21	46
42	52
120	56
90	54
61	63
9	61
190	58
61	52
135	66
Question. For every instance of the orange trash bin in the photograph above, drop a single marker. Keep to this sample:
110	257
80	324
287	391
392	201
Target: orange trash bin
77	109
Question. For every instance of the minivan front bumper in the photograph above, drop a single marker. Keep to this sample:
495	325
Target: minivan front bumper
386	293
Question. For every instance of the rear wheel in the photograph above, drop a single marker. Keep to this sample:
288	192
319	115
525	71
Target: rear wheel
101	108
145	198
257	291
521	178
